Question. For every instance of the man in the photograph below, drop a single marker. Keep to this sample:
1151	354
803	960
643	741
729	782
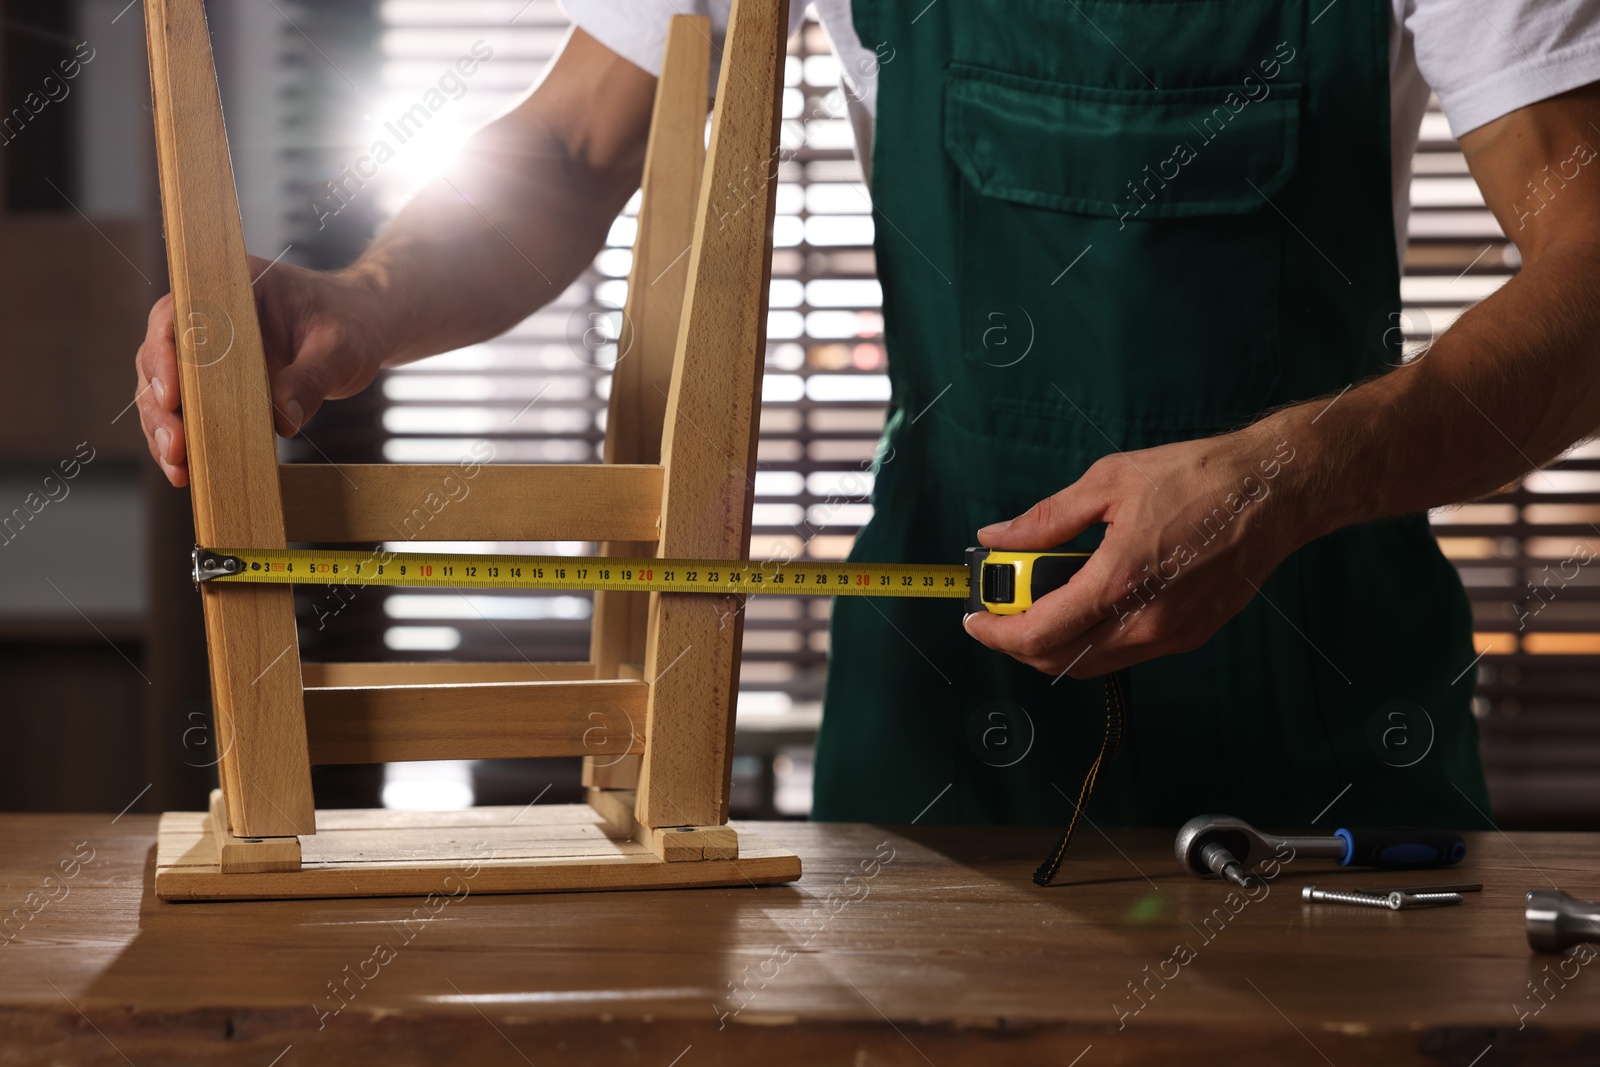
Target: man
1193	212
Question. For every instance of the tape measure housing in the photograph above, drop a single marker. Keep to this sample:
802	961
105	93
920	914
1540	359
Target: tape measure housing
1008	583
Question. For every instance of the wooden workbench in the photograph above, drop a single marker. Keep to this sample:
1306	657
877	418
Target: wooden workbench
900	946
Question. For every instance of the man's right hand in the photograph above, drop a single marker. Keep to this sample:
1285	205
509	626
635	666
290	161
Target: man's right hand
323	338
543	180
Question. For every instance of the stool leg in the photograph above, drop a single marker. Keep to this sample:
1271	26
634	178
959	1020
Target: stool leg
228	422
709	439
642	376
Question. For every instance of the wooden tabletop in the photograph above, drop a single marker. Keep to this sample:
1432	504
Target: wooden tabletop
920	945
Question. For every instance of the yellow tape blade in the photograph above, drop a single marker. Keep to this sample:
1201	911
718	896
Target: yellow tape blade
576	573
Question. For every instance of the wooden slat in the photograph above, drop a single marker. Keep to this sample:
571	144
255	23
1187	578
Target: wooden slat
250	632
470	502
708	445
376	674
689	844
536	849
674	159
553	819
490	721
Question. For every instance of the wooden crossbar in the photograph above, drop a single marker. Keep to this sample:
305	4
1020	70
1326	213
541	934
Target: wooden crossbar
484	502
500	720
376	674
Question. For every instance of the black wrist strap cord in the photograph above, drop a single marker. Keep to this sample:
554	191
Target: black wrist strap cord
1116	726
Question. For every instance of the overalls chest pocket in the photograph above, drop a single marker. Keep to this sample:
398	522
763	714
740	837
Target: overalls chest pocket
1120	251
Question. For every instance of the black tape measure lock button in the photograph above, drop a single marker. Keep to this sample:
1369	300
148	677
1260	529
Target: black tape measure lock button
1008	583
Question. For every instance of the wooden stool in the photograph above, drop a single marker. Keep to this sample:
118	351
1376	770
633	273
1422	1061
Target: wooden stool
652	710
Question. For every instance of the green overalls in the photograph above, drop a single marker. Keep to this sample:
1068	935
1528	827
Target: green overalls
1105	226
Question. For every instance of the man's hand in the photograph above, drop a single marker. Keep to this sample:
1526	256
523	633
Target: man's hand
322	334
519	217
1193	529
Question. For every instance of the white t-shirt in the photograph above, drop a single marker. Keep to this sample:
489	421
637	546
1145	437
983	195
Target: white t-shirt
1484	58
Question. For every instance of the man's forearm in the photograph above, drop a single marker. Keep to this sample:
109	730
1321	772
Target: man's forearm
506	230
1509	387
480	249
1506	389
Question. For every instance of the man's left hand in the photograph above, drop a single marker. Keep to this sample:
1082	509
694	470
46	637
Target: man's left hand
1192	531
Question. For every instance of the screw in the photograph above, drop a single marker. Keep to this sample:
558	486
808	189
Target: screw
1394	901
1311	894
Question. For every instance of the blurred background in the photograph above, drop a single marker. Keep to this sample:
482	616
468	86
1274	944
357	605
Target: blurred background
102	656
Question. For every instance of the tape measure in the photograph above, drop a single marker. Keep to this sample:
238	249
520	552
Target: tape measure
1001	582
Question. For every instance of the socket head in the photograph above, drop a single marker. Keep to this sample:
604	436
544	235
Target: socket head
1237	836
1556	921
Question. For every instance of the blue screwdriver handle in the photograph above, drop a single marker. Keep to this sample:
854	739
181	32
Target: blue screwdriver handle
1399	848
